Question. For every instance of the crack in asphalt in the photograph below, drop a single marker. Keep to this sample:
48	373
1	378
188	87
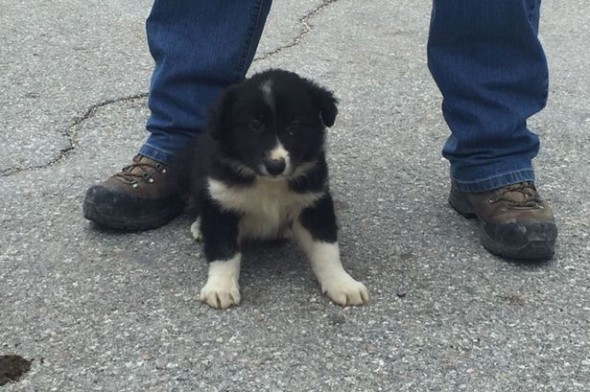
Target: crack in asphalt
70	132
306	27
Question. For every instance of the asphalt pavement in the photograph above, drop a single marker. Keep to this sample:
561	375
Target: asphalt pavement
103	311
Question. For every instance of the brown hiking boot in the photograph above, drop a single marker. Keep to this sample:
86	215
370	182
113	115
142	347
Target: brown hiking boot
514	222
143	196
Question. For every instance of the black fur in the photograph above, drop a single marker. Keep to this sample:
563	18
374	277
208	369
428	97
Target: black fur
221	228
320	220
315	179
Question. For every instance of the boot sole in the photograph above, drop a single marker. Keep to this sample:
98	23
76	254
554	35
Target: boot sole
540	245
113	221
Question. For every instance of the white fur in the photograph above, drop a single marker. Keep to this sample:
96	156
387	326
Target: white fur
222	289
196	230
279	152
325	263
268	207
267	94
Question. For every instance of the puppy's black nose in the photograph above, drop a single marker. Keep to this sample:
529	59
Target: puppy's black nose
274	167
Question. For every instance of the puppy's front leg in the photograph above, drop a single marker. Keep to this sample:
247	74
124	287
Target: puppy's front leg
316	233
219	230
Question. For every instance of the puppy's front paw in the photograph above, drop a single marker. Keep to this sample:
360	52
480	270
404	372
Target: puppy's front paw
345	291
196	231
221	294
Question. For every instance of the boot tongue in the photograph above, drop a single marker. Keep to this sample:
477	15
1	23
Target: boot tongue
519	194
141	159
515	196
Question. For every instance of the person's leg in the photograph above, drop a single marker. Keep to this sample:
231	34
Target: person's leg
199	47
492	72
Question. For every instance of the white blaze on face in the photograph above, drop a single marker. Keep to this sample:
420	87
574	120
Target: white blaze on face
279	152
266	88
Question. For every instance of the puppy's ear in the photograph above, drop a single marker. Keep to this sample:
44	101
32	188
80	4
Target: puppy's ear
220	115
325	101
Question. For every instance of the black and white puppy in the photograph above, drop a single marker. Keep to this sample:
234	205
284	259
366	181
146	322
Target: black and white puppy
260	173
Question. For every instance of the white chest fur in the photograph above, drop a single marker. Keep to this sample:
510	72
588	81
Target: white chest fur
268	207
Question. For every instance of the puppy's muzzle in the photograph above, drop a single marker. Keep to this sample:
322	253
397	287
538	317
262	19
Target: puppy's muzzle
274	167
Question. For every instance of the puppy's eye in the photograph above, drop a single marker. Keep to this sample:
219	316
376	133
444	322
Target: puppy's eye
255	125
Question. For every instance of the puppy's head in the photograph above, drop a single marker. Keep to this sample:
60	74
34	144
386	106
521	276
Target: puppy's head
273	122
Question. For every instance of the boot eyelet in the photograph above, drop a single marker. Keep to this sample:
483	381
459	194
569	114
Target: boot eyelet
163	171
134	185
150	180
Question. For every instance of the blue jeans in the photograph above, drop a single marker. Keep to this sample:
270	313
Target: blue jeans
491	70
484	56
200	47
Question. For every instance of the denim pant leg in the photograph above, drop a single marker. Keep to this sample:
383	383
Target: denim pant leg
199	47
492	72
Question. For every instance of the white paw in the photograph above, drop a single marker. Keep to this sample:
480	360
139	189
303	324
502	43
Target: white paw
345	291
221	294
222	289
196	231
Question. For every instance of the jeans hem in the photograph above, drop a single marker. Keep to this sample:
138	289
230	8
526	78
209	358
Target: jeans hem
156	154
495	182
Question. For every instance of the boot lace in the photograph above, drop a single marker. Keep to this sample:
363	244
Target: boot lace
139	170
519	196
